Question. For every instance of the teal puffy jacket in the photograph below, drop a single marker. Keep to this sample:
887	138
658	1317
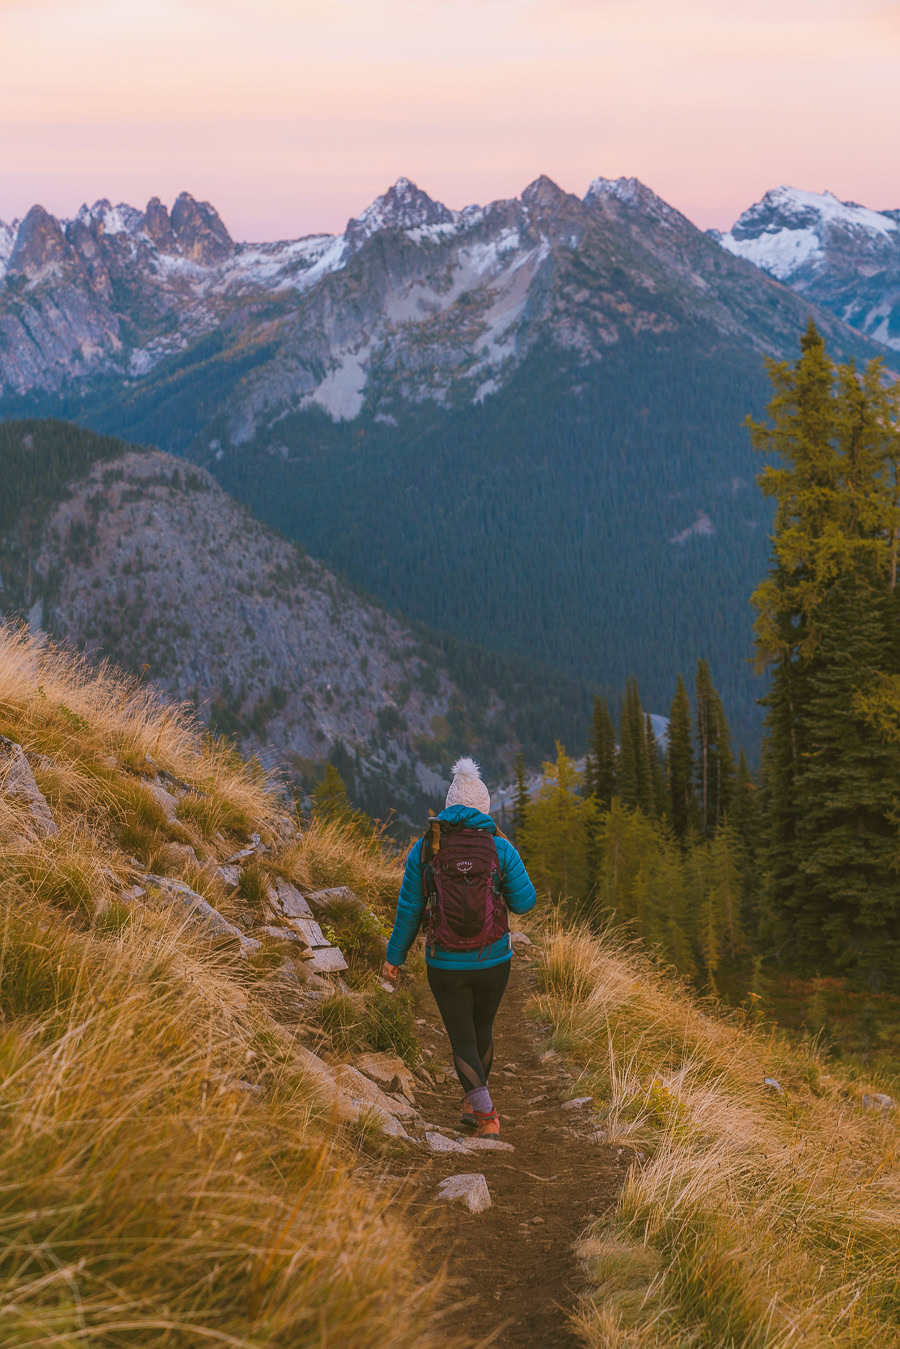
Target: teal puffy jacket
515	887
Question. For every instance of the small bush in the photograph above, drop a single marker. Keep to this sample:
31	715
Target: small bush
390	1024
253	886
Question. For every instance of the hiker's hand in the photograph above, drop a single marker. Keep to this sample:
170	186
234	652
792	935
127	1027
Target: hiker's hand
389	971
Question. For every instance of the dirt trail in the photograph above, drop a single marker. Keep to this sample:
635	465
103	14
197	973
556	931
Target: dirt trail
513	1267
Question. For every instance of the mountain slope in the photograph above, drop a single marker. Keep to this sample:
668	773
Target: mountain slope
133	555
843	256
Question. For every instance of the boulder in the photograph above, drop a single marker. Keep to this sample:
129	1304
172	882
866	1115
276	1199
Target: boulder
339	1088
286	900
17	784
487	1144
469	1190
576	1103
438	1143
285	934
201	914
327	960
165	799
361	1088
338	896
230	876
879	1100
521	939
390	1072
309	932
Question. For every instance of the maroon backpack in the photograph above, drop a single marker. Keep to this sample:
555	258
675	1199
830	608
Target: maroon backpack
461	873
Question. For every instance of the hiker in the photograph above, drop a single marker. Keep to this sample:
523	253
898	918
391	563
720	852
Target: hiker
460	879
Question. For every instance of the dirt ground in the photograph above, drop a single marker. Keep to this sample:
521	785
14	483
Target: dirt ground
513	1270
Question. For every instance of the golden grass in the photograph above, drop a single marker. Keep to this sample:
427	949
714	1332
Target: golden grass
168	1177
92	722
751	1217
334	852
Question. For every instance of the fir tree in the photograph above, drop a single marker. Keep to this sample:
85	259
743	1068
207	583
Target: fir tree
631	740
680	763
603	754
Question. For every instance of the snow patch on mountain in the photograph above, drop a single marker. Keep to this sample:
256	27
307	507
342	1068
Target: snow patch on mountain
702	525
8	234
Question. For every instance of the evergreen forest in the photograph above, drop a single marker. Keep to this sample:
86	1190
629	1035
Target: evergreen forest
779	887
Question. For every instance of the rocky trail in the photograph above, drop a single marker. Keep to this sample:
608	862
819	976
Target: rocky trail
513	1271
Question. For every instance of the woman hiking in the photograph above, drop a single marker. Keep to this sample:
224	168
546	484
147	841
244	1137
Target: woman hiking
461	878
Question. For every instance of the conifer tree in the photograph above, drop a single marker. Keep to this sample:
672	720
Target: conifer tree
680	763
659	788
646	777
330	797
556	830
826	625
603	754
715	764
631	738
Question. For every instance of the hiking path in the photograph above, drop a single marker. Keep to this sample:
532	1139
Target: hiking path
513	1272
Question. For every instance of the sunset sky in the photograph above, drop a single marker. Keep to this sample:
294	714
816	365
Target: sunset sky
291	116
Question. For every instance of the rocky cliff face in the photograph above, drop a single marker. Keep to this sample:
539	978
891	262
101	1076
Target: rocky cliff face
844	256
413	305
147	561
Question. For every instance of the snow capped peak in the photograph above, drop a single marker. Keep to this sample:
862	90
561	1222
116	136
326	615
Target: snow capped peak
632	192
791	228
121	219
404	206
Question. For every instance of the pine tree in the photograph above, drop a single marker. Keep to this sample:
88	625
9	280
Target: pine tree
846	909
556	830
715	764
330	797
631	736
659	788
603	754
646	777
680	763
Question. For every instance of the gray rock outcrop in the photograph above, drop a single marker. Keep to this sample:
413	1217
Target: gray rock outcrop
17	784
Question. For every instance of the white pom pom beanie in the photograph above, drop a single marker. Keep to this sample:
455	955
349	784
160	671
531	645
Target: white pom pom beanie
467	789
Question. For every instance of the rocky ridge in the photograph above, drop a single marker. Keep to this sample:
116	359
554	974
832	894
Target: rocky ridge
147	561
414	304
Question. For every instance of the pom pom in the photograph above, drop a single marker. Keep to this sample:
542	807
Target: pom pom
466	768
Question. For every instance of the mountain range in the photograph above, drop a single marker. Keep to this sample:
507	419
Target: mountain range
520	423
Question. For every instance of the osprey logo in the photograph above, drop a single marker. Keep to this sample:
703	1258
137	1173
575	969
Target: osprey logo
464	866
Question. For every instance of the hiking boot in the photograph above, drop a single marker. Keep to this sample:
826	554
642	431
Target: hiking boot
467	1114
487	1123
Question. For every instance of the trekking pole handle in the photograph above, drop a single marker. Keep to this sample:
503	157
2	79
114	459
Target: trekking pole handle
389	971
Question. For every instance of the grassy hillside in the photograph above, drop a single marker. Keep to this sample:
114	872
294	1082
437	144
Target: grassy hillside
763	1205
170	1177
173	1179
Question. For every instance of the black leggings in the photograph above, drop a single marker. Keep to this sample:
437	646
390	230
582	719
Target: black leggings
467	1001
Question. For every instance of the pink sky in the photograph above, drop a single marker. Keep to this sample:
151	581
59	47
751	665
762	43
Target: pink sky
290	116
